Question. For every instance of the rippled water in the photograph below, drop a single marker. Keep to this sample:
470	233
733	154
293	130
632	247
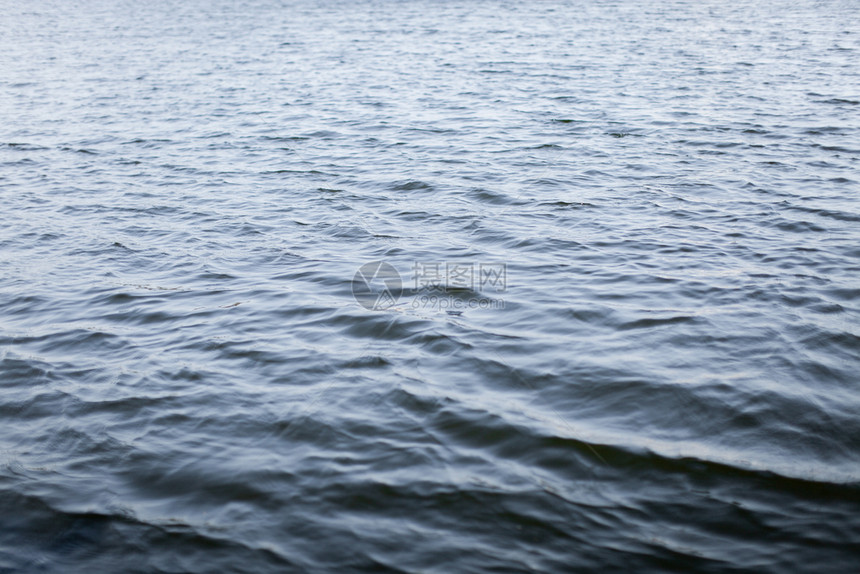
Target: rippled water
664	377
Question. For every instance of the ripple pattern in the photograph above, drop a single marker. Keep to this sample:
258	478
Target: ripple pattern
667	379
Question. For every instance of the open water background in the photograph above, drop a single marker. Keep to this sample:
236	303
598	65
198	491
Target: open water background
668	381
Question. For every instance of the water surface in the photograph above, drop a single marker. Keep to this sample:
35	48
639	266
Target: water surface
666	379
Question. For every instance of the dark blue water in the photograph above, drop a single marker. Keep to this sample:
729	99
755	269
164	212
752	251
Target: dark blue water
610	321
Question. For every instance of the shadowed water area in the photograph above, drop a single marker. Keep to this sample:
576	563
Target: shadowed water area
665	378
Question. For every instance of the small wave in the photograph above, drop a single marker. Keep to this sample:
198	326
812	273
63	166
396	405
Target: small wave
411	185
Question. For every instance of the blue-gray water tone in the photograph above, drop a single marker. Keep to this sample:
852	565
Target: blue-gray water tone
615	326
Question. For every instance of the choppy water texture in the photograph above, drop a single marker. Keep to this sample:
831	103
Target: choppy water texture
668	381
